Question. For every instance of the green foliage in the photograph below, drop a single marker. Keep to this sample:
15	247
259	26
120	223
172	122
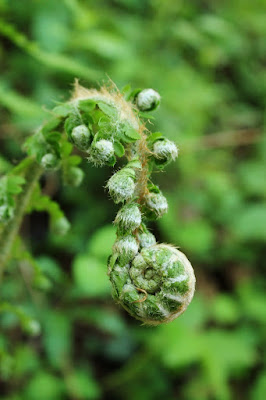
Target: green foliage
9	187
207	61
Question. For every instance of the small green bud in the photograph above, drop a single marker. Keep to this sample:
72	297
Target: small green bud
129	217
148	100
49	161
60	226
165	150
101	152
146	239
81	137
121	185
74	176
156	205
71	122
126	247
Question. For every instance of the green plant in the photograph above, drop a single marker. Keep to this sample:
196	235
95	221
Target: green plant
212	55
153	282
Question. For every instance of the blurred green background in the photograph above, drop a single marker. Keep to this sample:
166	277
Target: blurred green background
207	60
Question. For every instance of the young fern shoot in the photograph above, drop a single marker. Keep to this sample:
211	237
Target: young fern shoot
154	282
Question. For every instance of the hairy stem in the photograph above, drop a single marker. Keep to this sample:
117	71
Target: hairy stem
10	231
142	177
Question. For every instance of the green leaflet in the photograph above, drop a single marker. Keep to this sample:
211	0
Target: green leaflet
58	221
63	110
52	138
126	91
29	325
107	109
134	164
133	93
10	186
146	115
35	145
119	149
126	139
132	134
87	105
51	125
154	136
71	122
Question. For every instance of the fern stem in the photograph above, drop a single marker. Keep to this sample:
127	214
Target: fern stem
10	231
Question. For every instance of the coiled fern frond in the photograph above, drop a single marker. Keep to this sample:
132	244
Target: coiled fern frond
153	282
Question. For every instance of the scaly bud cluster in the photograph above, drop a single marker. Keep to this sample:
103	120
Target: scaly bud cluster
101	152
153	282
81	137
121	185
128	218
165	150
126	248
155	204
148	100
146	238
49	161
74	176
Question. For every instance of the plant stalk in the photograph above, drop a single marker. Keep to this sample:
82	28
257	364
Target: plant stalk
10	231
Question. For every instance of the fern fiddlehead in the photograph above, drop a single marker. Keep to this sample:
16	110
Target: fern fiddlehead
153	282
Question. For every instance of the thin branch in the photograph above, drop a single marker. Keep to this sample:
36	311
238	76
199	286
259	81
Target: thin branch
10	231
